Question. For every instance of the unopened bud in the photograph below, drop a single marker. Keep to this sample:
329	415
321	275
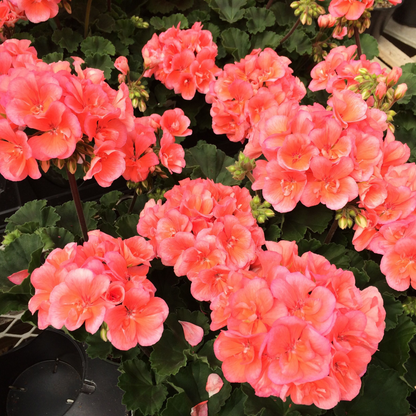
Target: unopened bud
366	94
269	213
361	221
342	223
400	91
142	106
350	222
261	219
135	102
103	332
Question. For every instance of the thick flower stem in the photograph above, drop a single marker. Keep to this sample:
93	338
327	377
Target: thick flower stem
87	18
78	204
133	203
357	41
289	34
331	232
269	4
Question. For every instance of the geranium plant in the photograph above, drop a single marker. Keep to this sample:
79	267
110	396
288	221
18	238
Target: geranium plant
262	259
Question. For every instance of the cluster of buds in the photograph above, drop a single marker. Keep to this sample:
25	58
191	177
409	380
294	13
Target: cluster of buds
318	49
139	22
261	210
157	194
242	167
347	27
307	10
380	88
138	95
349	215
409	306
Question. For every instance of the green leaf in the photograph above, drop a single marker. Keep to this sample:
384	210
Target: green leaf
110	199
67	39
308	245
408	78
69	218
393	350
296	222
211	161
195	317
94	45
168	21
394	308
126	225
273	233
235	42
168	355
53	57
193	379
369	46
229	10
178	405
235	404
125	31
266	39
198	16
258	18
299	42
335	254
160	6
97	348
206	354
283	13
383	394
54	237
140	392
105	23
33	211
361	278
214	29
100	61
217	401
13	302
17	256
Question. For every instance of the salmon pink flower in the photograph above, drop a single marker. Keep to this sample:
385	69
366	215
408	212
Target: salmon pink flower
122	65
171	154
78	299
39	10
348	107
139	320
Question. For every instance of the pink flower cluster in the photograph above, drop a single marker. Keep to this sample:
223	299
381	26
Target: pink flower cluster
102	281
315	155
352	9
247	89
183	60
77	116
299	327
296	325
35	11
140	157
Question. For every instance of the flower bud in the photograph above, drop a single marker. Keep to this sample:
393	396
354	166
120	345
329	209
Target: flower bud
400	91
393	76
142	106
361	221
381	90
350	222
122	65
261	219
342	223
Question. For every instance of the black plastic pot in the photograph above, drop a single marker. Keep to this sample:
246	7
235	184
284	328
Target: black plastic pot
52	376
406	15
379	19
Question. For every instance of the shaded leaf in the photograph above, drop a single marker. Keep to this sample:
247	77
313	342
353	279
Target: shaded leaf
126	225
13	302
178	405
235	42
105	23
54	237
393	350
206	354
100	61
229	10
53	57
383	394
97	348
140	392
235	404
17	256
394	308
299	42
212	162
69	218
258	18
67	39
110	199
283	13
94	45
266	39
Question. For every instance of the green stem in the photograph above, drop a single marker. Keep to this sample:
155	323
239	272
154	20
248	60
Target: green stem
78	204
87	18
133	202
289	34
357	41
331	232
